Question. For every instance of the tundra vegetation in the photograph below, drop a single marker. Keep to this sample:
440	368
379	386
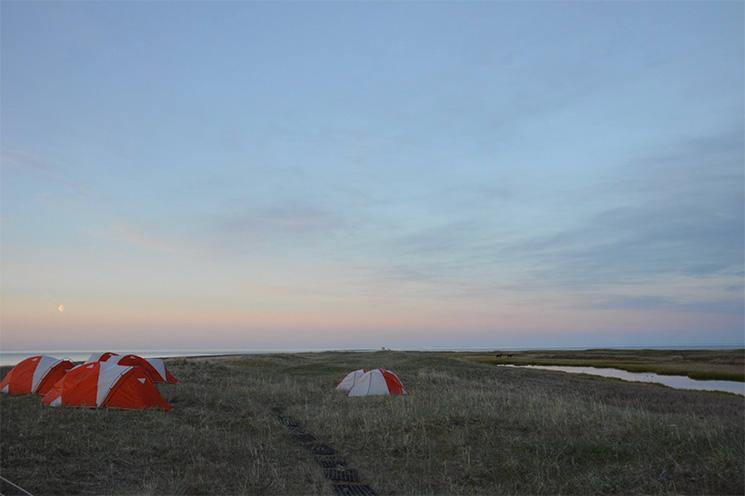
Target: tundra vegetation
696	364
465	428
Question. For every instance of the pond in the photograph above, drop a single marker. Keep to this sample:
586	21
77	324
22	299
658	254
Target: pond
673	381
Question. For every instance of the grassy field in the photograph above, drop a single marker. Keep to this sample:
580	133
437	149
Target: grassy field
697	364
465	428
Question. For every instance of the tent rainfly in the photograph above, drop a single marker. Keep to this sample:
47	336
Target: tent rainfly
154	367
34	375
378	382
106	385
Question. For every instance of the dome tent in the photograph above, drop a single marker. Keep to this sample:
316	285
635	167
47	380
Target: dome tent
34	375
102	357
350	380
106	385
378	382
154	367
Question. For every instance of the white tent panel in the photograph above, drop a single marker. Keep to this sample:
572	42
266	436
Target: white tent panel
350	380
372	383
42	368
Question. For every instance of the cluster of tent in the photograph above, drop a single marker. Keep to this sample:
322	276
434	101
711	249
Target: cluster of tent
109	380
106	380
375	382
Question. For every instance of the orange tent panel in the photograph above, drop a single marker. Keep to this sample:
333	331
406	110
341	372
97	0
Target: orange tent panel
154	367
35	374
106	385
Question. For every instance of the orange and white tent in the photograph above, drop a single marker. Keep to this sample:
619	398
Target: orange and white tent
106	385
102	357
378	382
350	380
154	367
34	375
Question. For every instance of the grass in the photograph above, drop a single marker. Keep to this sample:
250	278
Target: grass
696	364
465	428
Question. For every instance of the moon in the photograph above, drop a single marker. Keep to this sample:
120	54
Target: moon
61	308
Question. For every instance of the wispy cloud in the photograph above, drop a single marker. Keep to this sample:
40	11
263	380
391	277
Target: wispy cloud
17	161
652	302
678	212
141	237
683	215
282	226
13	158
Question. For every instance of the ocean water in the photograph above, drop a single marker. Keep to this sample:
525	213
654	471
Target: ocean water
12	358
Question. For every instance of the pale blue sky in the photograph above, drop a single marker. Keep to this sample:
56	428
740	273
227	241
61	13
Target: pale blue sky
366	174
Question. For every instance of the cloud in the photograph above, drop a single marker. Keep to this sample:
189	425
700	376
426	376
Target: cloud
289	219
285	226
652	302
18	159
675	212
638	242
13	160
683	214
148	238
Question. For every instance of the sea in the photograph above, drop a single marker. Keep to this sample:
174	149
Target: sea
13	357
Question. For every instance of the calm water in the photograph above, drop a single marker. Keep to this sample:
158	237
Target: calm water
12	358
673	381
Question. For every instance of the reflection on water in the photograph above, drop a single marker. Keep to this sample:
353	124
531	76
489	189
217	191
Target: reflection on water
673	381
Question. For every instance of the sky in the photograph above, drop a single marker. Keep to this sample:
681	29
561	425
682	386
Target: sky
239	175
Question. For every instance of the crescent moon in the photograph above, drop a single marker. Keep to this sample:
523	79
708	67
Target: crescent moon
61	308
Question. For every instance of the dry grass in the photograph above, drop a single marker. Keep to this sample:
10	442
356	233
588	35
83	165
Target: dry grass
465	428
